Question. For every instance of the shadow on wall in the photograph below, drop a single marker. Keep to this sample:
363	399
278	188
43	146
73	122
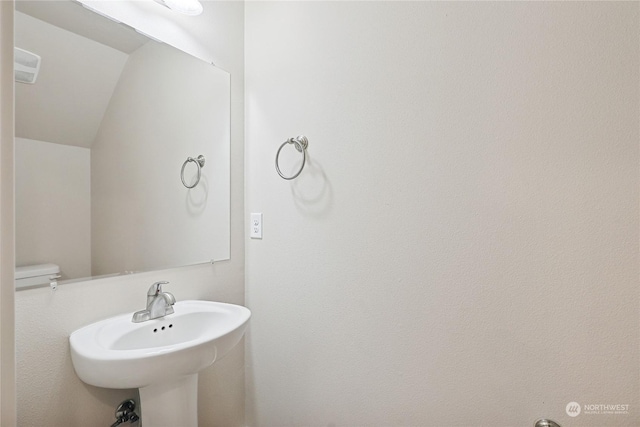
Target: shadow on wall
312	191
196	198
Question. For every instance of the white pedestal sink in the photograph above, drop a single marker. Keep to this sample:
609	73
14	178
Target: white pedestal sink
161	357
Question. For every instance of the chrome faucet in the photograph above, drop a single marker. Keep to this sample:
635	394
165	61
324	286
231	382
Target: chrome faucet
159	304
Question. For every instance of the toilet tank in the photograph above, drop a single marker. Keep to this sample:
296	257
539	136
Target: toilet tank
34	275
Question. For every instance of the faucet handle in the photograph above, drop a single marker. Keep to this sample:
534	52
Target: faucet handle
156	288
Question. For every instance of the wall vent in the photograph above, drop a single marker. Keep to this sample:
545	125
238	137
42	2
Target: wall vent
26	66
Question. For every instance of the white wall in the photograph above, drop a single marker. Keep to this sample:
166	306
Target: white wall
146	135
462	248
53	206
46	382
7	260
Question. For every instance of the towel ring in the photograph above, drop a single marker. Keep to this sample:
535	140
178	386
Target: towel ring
199	161
301	143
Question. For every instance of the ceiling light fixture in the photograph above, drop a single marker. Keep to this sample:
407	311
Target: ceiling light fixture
186	7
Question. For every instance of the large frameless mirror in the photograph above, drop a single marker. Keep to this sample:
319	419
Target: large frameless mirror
102	136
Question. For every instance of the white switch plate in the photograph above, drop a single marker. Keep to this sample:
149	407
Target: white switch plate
256	226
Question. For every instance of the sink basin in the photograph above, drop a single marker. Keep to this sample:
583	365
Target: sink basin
161	357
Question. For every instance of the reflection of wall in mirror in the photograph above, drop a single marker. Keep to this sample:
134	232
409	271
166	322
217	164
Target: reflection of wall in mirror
53	206
55	126
136	187
124	108
76	81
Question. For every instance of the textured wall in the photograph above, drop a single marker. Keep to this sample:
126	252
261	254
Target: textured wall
462	248
46	382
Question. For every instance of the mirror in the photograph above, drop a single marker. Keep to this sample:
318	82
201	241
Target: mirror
101	138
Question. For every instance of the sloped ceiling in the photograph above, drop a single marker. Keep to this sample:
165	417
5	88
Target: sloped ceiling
72	16
77	74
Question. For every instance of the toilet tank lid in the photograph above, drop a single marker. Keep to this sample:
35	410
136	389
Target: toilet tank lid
36	270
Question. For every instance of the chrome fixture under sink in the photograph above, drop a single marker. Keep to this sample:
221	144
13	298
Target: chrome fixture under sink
161	357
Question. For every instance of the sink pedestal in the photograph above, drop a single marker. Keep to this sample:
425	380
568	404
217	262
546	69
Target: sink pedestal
173	403
160	357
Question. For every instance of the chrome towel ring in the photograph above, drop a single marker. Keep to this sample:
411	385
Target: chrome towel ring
301	143
199	161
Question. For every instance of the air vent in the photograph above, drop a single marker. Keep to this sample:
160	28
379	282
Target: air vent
26	66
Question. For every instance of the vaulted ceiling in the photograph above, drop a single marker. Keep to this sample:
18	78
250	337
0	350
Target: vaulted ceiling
82	56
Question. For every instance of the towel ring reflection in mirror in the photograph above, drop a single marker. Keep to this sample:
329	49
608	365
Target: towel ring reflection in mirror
301	143
199	161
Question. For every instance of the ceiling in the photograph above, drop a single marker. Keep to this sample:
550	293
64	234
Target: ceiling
72	16
82	55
